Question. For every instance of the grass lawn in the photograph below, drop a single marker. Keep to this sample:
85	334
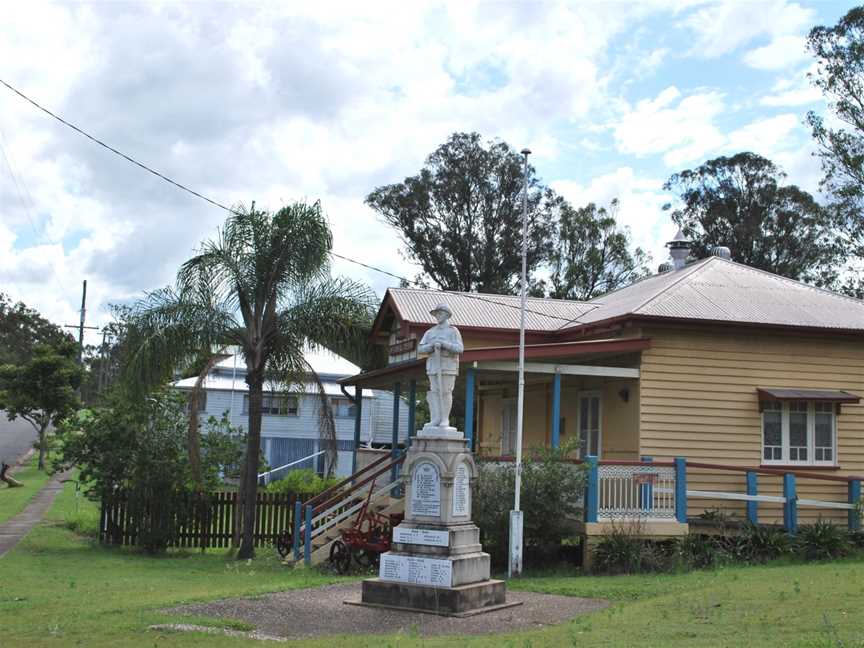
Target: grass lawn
13	500
59	589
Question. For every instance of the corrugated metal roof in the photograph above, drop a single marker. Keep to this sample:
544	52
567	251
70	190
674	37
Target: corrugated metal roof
324	363
487	311
722	290
715	289
825	395
226	383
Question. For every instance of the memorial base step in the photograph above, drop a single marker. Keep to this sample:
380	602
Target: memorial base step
464	600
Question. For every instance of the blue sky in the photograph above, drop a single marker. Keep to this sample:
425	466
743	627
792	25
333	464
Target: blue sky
280	102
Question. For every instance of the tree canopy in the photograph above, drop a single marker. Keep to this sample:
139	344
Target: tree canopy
42	389
460	217
741	203
591	253
839	52
22	328
263	286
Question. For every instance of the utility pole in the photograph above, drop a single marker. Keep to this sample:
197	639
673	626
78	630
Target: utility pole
81	325
514	565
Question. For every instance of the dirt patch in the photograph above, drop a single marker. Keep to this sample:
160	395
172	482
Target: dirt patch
321	611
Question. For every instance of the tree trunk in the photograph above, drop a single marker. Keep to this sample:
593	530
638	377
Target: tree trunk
253	452
13	483
43	448
237	518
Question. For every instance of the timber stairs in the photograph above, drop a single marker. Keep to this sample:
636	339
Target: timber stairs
336	509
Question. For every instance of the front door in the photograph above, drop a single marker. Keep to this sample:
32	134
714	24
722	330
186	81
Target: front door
589	424
508	427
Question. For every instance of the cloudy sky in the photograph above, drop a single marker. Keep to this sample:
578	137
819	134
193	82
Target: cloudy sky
285	101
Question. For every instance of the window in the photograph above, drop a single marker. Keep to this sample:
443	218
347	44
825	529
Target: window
798	432
274	405
589	424
343	408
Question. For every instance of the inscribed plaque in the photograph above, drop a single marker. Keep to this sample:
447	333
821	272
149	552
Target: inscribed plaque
461	492
426	490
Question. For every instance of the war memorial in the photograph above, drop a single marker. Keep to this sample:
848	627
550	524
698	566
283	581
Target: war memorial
437	563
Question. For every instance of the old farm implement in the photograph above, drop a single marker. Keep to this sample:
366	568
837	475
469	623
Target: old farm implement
367	538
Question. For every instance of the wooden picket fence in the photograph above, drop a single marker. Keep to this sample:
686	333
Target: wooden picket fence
200	520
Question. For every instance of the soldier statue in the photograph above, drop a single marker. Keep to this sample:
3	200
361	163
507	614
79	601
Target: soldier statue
443	344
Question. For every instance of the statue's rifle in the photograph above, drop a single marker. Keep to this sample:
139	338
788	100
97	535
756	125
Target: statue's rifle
440	351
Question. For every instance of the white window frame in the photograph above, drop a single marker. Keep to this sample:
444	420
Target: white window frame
786	459
334	405
268	411
592	393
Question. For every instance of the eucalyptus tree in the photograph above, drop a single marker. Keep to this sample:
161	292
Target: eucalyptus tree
591	253
742	202
263	285
460	217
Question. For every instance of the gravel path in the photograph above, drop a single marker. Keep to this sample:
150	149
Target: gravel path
322	611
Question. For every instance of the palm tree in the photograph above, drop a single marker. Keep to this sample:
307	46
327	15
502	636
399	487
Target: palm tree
263	286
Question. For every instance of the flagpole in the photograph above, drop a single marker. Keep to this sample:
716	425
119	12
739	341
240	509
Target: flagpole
514	567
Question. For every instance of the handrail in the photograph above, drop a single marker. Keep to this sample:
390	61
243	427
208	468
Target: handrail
328	491
293	463
341	496
803	474
800	473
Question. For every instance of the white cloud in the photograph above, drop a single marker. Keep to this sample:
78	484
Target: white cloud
680	127
273	103
640	199
287	101
793	90
770	134
781	52
721	28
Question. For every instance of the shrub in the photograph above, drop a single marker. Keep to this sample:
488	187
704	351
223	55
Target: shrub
760	544
620	552
700	551
551	490
303	482
136	449
624	552
822	541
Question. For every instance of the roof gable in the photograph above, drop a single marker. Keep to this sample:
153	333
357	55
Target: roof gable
480	310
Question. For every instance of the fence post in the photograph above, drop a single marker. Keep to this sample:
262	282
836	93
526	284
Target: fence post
681	489
592	492
646	490
470	379
790	507
855	500
307	549
298	518
752	489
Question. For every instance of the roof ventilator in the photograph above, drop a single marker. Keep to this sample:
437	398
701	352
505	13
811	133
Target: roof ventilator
721	251
679	250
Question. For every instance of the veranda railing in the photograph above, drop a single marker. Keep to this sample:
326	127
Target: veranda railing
657	490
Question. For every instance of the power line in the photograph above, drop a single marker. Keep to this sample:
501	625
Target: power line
18	183
216	203
114	150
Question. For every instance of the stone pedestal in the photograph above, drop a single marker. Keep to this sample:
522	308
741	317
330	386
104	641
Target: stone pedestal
436	563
